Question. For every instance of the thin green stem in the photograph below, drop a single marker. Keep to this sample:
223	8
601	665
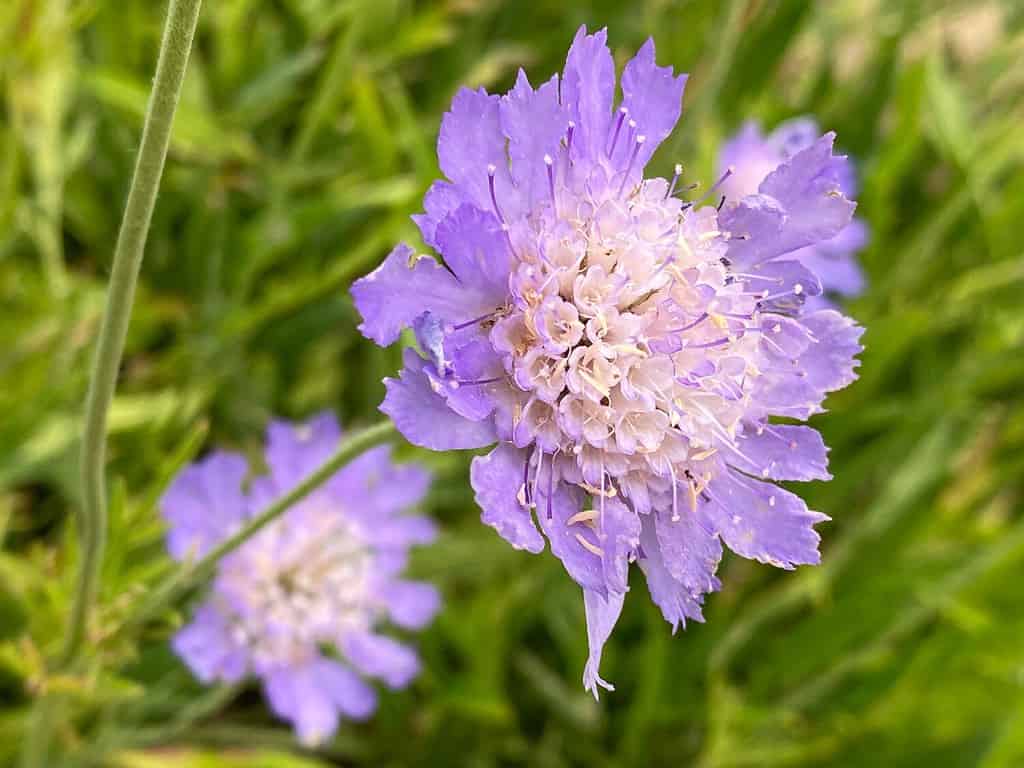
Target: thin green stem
179	30
188	577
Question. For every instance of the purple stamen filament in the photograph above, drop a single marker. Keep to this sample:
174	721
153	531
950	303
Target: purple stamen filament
474	321
618	127
491	170
629	166
675	180
551	180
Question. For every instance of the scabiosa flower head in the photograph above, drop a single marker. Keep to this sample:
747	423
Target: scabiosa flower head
753	156
300	604
624	349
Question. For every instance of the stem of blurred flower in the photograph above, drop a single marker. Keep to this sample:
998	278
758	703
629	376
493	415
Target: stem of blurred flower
187	576
179	30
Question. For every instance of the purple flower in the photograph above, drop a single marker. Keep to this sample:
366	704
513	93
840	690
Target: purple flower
324	575
753	156
624	349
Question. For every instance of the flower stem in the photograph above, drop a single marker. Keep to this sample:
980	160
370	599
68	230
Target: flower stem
179	30
189	576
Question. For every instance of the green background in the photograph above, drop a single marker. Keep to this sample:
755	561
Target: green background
303	143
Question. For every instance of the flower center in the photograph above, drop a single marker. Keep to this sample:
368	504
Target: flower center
301	582
628	332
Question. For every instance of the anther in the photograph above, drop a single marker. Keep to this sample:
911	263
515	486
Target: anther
568	139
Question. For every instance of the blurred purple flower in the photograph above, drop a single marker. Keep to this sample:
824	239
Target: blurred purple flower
624	349
753	156
299	605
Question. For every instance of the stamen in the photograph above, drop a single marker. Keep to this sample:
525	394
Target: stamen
704	316
491	170
536	477
629	166
551	181
748	276
452	328
456	383
618	127
528	496
675	493
551	486
709	344
568	139
631	125
675	179
721	179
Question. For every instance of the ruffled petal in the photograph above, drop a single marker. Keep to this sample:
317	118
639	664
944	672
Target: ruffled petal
441	199
351	695
781	452
424	417
399	532
312	695
677	602
618	534
535	123
469	144
204	504
294	451
497	480
575	544
382	657
755	223
602	614
751	157
380	487
411	604
588	87
800	203
395	294
834	261
207	647
809	186
476	249
763	522
654	97
690	550
831	362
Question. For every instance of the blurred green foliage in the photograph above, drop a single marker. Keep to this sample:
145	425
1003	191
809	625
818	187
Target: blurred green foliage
303	142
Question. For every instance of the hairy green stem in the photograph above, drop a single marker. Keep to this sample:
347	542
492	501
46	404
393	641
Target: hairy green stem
191	575
179	30
131	241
